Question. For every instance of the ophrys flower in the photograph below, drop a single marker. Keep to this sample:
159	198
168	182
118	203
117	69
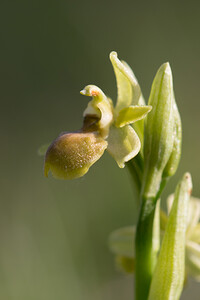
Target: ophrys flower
104	127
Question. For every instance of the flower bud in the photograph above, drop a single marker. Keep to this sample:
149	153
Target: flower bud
72	154
159	135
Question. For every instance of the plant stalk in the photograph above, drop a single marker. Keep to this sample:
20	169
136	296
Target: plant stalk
144	251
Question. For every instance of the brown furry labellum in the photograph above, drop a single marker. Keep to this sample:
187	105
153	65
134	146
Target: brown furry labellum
72	154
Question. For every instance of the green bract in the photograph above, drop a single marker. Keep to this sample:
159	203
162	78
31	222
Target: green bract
71	155
162	144
171	260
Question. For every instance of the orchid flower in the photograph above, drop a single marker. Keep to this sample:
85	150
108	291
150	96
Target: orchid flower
105	127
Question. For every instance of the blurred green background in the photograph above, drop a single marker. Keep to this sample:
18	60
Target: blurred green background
53	234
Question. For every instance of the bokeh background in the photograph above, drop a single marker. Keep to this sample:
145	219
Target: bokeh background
53	234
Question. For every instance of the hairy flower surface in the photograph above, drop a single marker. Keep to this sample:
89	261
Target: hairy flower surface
71	154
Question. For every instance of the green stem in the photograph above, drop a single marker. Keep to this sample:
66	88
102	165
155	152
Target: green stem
145	250
145	254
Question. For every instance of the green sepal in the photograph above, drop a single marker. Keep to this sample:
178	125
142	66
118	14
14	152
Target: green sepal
131	114
128	88
123	144
168	278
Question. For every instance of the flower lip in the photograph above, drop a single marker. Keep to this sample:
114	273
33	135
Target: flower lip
72	154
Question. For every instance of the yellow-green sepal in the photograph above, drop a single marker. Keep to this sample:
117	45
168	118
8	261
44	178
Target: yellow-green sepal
131	114
123	144
128	88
